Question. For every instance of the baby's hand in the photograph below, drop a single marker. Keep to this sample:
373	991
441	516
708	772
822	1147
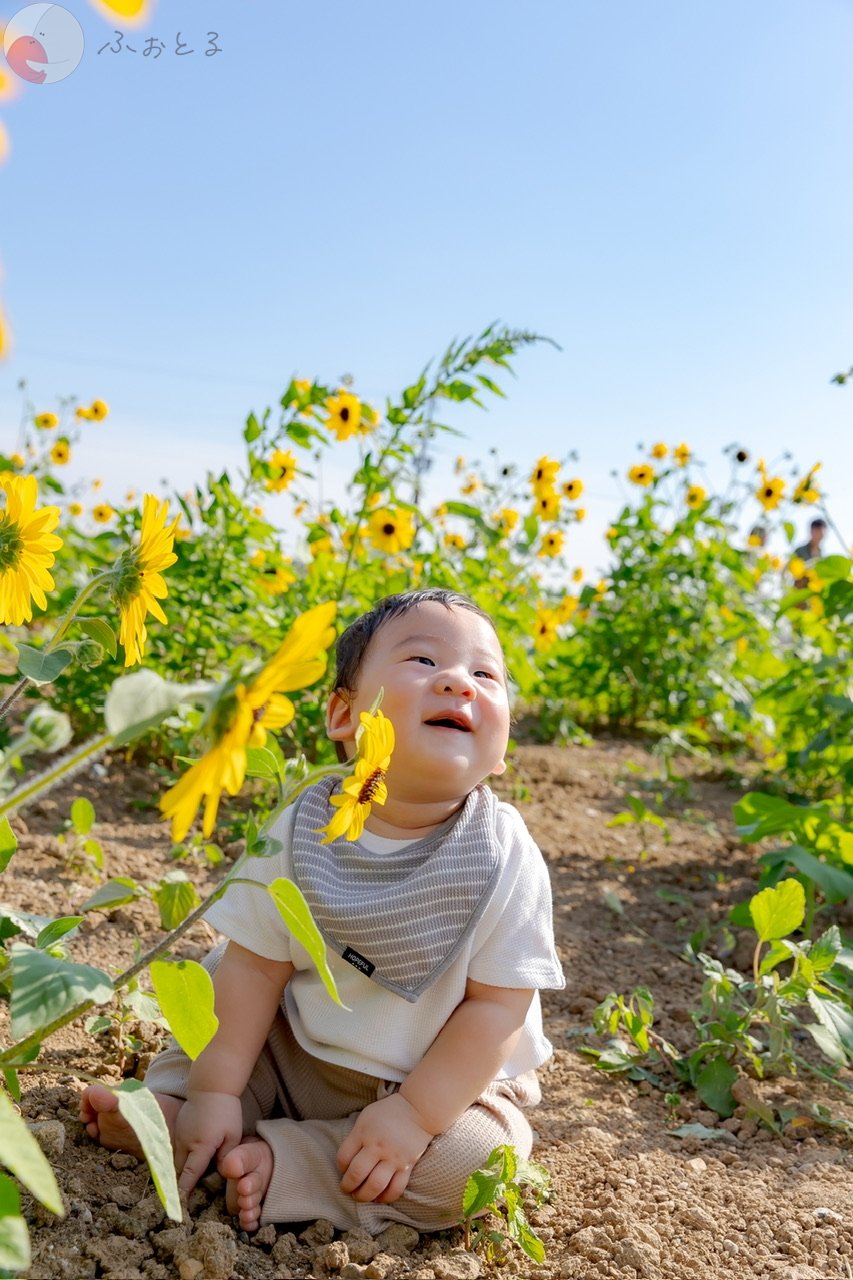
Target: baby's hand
209	1124
385	1143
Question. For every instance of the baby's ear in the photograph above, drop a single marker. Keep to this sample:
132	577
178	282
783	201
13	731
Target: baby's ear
498	769
339	718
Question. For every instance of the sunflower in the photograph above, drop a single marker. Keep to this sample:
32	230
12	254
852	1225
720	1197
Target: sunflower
75	508
806	490
276	581
347	415
139	584
282	467
577	574
391	531
544	629
471	485
505	520
797	567
60	453
548	505
641	474
46	421
566	608
552	544
544	474
681	453
102	513
366	785
696	495
769	492
244	714
98	410
5	335
572	489
659	450
580	514
26	549
454	541
17	461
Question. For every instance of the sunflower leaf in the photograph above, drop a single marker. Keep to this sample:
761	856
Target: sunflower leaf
41	667
295	912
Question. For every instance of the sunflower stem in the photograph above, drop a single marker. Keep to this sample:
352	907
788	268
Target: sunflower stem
67	765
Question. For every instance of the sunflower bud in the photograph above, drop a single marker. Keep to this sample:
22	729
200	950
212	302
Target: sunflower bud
49	729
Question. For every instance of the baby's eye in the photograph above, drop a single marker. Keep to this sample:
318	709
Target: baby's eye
487	675
419	657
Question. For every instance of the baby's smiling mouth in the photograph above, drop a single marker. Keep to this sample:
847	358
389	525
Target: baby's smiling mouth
449	722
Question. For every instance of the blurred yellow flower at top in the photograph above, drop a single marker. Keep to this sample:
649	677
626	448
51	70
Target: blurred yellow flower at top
366	786
391	531
75	508
102	513
681	453
26	549
552	544
471	485
696	495
257	558
96	412
17	460
544	474
566	608
60	453
347	416
659	450
641	474
580	514
283	470
46	421
5	143
276	581
5	335
96	484
807	490
796	567
9	84
577	574
139	583
454	541
572	489
249	712
321	547
132	12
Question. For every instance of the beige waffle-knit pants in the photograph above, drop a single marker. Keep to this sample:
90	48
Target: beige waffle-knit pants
304	1108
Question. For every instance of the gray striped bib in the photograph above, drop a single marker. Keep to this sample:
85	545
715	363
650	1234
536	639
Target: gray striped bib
400	918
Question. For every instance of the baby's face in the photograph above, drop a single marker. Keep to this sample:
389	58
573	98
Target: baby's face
442	671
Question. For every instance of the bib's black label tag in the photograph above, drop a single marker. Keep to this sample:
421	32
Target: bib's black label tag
358	962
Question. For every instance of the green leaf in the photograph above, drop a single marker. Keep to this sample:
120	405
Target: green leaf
826	949
140	1109
82	815
261	763
101	632
836	1017
295	913
527	1238
12	1082
55	930
835	882
14	1237
44	988
138	702
480	1191
114	893
778	912
252	429
714	1083
176	897
185	992
8	843
830	568
41	667
23	1157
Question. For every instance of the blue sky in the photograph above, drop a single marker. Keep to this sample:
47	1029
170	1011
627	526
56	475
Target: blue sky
664	189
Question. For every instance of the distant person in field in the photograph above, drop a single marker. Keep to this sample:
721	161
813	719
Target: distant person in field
811	550
442	915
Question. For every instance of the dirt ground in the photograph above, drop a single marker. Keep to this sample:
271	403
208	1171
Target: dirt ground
629	1198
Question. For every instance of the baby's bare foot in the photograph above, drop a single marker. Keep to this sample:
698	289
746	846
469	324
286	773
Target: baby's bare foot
248	1169
100	1115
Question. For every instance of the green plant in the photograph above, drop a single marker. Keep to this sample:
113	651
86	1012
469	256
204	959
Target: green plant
499	1189
81	852
743	1022
121	1020
638	812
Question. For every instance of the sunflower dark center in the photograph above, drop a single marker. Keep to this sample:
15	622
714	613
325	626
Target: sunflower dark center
370	785
344	414
11	544
388	528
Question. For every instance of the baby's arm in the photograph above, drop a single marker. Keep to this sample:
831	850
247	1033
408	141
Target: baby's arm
248	991
392	1134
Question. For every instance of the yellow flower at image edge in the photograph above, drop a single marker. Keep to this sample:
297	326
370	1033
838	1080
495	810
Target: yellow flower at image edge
139	583
391	531
26	549
366	785
254	708
60	453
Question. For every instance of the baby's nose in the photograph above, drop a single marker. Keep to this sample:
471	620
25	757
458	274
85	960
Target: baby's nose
459	683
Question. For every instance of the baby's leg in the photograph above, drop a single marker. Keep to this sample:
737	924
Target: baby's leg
100	1115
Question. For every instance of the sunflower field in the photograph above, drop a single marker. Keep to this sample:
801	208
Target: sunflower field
189	633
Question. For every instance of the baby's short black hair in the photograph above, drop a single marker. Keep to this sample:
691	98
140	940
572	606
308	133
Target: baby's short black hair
352	644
